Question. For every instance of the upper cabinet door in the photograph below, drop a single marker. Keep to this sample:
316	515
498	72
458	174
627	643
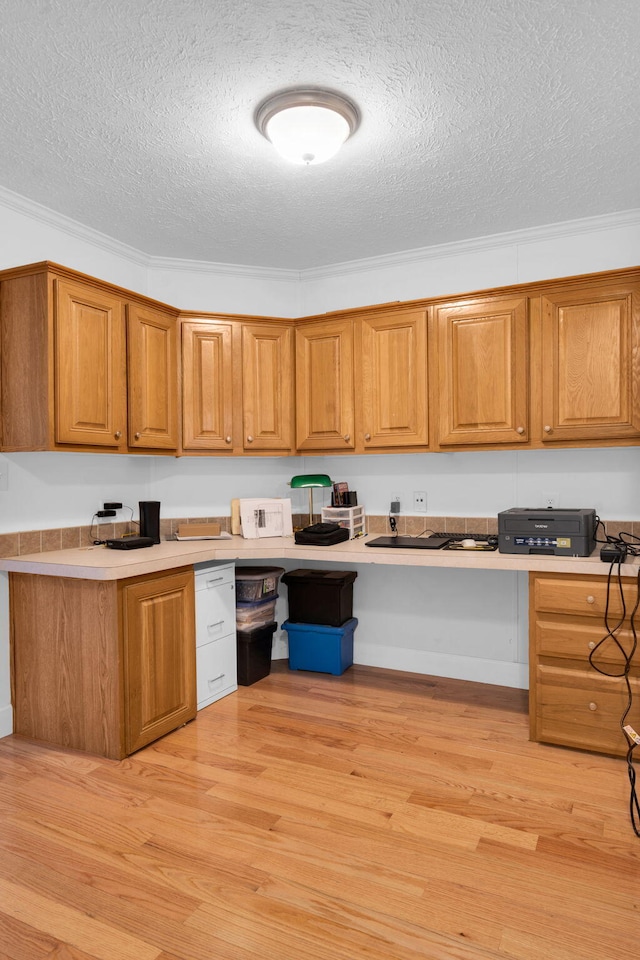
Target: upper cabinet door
267	387
207	386
153	378
482	372
324	385
90	366
392	357
590	363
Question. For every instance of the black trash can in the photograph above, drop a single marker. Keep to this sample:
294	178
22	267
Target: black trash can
254	653
320	596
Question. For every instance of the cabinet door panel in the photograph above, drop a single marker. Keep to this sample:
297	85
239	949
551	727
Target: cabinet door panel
324	386
483	385
153	379
267	387
591	364
159	656
90	372
393	380
207	383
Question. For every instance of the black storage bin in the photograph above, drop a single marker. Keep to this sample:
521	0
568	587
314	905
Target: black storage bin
320	596
254	653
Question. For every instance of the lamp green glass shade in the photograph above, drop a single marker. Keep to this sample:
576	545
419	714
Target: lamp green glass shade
310	480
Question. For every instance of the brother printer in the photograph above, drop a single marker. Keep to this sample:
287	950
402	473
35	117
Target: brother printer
562	533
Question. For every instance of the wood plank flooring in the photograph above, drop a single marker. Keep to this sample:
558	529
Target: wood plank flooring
376	815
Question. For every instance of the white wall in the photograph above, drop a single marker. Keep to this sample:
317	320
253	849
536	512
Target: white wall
453	623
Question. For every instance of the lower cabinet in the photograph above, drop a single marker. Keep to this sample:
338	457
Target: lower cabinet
102	666
216	655
571	703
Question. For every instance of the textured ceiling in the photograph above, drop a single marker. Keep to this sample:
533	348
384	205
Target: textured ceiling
135	117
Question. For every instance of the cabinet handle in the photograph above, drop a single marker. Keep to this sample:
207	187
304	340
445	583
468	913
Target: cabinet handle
367	436
218	623
520	430
227	439
593	706
249	439
347	437
547	429
591	645
118	434
591	599
215	580
136	436
215	679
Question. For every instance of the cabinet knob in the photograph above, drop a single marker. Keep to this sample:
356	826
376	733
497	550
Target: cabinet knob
136	436
593	706
547	429
367	436
520	430
347	437
591	599
227	439
591	645
249	439
118	434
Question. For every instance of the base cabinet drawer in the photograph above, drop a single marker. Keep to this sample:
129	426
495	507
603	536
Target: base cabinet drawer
216	670
574	710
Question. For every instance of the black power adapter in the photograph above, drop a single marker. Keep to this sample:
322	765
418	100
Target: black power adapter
613	553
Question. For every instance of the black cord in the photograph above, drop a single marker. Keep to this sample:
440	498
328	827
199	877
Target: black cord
631	737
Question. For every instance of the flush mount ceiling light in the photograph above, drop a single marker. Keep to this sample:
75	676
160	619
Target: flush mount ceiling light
307	125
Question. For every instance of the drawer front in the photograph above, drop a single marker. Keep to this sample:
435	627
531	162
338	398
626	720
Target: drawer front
216	670
215	612
578	708
584	598
214	577
575	640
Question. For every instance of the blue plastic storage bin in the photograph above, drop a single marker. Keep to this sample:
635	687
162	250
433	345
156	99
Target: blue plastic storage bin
314	646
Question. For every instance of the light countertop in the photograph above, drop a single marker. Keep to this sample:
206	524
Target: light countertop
101	563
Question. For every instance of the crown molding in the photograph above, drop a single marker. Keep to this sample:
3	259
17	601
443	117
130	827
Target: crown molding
211	268
456	248
72	228
460	248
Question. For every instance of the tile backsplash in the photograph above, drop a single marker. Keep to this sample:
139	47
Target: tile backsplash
42	541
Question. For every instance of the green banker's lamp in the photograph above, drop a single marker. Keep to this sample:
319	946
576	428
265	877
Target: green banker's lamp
310	480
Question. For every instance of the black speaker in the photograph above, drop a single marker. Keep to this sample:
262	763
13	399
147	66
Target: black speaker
150	519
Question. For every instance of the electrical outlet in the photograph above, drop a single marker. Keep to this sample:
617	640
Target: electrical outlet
420	501
550	499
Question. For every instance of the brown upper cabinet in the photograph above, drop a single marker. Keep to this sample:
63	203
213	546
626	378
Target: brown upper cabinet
237	386
84	366
88	366
391	377
590	369
482	384
325	404
361	382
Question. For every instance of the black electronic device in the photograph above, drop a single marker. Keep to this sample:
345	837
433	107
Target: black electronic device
150	519
556	532
613	552
129	543
409	543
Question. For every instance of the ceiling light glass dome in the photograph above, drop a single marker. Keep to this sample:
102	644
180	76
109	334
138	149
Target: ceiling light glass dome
307	126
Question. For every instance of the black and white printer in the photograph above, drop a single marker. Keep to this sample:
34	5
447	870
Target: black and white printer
552	531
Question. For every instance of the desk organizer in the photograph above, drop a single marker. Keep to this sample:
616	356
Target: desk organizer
317	647
351	518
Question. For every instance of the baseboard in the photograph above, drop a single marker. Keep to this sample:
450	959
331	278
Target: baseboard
502	673
6	721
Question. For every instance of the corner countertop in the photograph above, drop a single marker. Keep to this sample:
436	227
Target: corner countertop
100	563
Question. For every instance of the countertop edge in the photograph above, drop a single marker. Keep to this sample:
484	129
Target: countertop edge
100	563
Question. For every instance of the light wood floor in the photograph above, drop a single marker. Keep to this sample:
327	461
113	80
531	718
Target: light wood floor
375	815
